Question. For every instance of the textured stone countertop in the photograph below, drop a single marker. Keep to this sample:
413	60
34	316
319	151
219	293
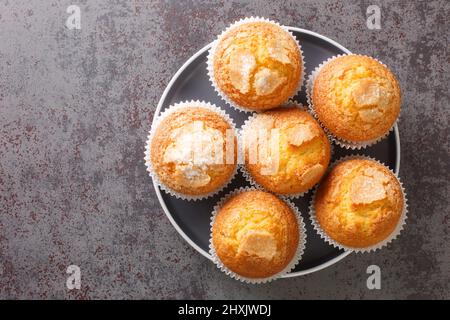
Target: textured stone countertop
75	107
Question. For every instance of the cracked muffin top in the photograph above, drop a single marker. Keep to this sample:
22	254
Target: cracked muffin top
286	151
359	203
255	234
257	65
189	150
356	98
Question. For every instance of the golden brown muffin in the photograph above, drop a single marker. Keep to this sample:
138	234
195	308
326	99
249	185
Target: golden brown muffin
189	151
255	234
295	161
359	203
257	65
356	97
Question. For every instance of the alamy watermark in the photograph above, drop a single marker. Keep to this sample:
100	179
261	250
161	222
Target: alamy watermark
262	148
374	280
74	20
373	13
74	279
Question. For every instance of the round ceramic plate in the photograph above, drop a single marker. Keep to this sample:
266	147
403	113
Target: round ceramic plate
191	218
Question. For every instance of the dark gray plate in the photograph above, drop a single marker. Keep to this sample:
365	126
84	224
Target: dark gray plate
191	219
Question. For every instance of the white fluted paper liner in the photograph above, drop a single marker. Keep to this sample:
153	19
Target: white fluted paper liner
212	51
246	174
339	141
395	233
156	122
295	260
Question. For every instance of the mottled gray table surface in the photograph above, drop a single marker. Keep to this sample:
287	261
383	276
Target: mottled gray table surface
75	107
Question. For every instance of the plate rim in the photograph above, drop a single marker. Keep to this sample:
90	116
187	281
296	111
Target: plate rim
158	191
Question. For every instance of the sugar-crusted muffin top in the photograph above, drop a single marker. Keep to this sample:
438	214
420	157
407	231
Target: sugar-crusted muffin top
189	150
286	151
356	97
255	234
359	203
257	65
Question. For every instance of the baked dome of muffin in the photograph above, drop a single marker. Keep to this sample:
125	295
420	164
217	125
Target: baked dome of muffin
255	234
356	98
359	203
193	150
257	65
294	154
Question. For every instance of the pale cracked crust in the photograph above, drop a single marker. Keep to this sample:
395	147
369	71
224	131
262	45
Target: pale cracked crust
304	150
257	65
356	97
217	174
255	234
359	203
